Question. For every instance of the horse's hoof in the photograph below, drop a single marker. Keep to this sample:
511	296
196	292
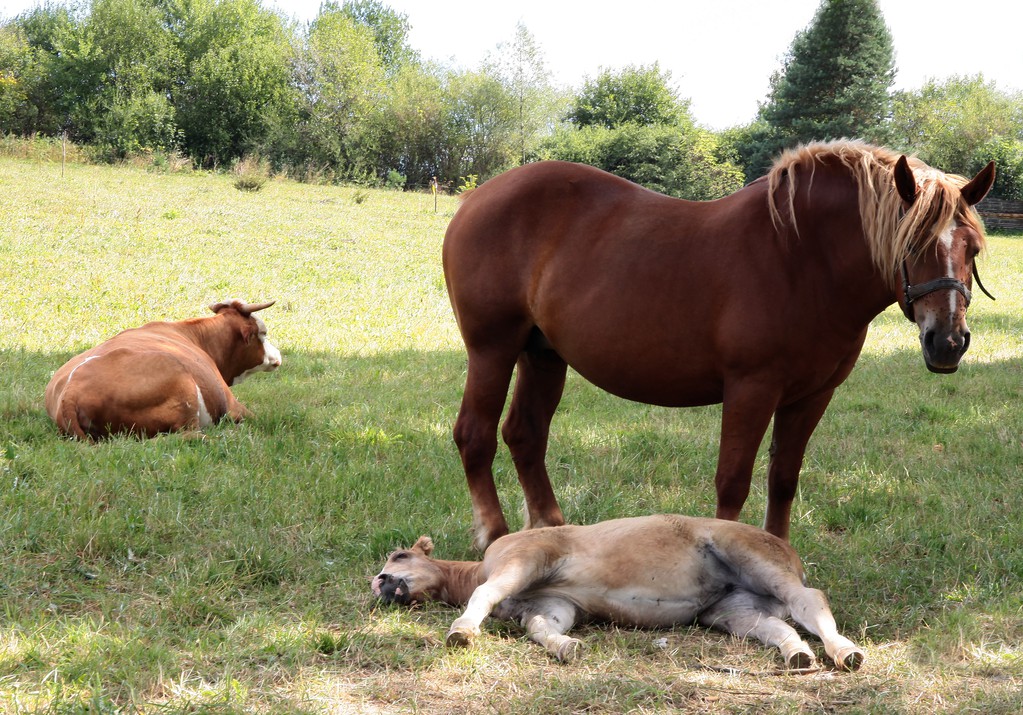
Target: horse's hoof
459	638
849	659
570	650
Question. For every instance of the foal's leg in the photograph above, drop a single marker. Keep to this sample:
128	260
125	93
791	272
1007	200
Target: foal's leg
475	433
539	384
772	567
546	620
809	608
793	425
743	613
505	581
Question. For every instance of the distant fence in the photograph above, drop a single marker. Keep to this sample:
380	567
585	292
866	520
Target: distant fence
1002	215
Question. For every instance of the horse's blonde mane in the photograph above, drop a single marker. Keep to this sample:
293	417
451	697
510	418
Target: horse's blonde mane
889	231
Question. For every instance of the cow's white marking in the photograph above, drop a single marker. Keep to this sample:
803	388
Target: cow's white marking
202	414
271	355
70	374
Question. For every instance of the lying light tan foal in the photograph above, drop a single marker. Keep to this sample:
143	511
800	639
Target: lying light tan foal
654	571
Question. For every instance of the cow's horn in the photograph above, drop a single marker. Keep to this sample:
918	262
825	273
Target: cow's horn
253	307
241	306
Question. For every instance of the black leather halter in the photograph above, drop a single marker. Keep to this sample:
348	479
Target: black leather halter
913	292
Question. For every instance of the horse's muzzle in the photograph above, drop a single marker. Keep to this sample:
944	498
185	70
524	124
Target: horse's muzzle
943	351
392	589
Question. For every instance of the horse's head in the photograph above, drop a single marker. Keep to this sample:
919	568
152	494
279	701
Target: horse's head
937	274
409	575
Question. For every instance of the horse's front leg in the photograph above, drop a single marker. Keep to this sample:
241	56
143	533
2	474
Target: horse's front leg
539	384
746	412
793	425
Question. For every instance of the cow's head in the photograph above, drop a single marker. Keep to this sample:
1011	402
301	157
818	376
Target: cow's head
255	353
409	575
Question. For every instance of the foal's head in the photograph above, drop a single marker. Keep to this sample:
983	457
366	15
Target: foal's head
409	575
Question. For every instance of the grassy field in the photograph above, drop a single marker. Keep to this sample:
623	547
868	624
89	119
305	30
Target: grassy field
231	574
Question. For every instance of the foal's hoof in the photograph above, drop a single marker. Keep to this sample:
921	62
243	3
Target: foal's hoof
800	660
569	650
849	659
459	638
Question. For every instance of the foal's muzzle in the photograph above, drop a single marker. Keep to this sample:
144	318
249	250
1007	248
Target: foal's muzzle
392	589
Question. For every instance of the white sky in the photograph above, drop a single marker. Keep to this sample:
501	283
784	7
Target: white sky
721	53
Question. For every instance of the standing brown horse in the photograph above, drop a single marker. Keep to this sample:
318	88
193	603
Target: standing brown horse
760	301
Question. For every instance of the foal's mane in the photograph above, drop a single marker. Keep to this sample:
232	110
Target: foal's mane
890	231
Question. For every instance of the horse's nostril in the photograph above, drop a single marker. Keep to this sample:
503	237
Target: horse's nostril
929	340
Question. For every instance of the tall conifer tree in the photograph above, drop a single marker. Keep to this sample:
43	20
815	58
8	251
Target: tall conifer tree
834	83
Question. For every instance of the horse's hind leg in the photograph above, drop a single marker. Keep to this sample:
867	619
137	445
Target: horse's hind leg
475	434
539	384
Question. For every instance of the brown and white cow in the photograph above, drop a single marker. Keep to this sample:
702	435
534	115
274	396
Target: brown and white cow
654	571
163	376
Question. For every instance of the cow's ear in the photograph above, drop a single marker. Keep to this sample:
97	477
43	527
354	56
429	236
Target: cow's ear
423	544
217	307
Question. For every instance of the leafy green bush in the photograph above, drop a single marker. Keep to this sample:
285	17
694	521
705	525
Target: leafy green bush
137	124
633	95
1008	156
395	180
678	161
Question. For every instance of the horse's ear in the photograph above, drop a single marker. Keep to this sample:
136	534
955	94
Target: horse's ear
975	191
423	544
905	182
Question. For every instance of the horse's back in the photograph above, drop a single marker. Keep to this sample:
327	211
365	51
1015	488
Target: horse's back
552	215
540	201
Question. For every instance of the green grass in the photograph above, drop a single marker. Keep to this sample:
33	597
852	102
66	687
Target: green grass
231	574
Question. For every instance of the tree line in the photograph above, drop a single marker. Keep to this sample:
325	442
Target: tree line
346	98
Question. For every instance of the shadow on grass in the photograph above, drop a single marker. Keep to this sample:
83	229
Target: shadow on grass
352	457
